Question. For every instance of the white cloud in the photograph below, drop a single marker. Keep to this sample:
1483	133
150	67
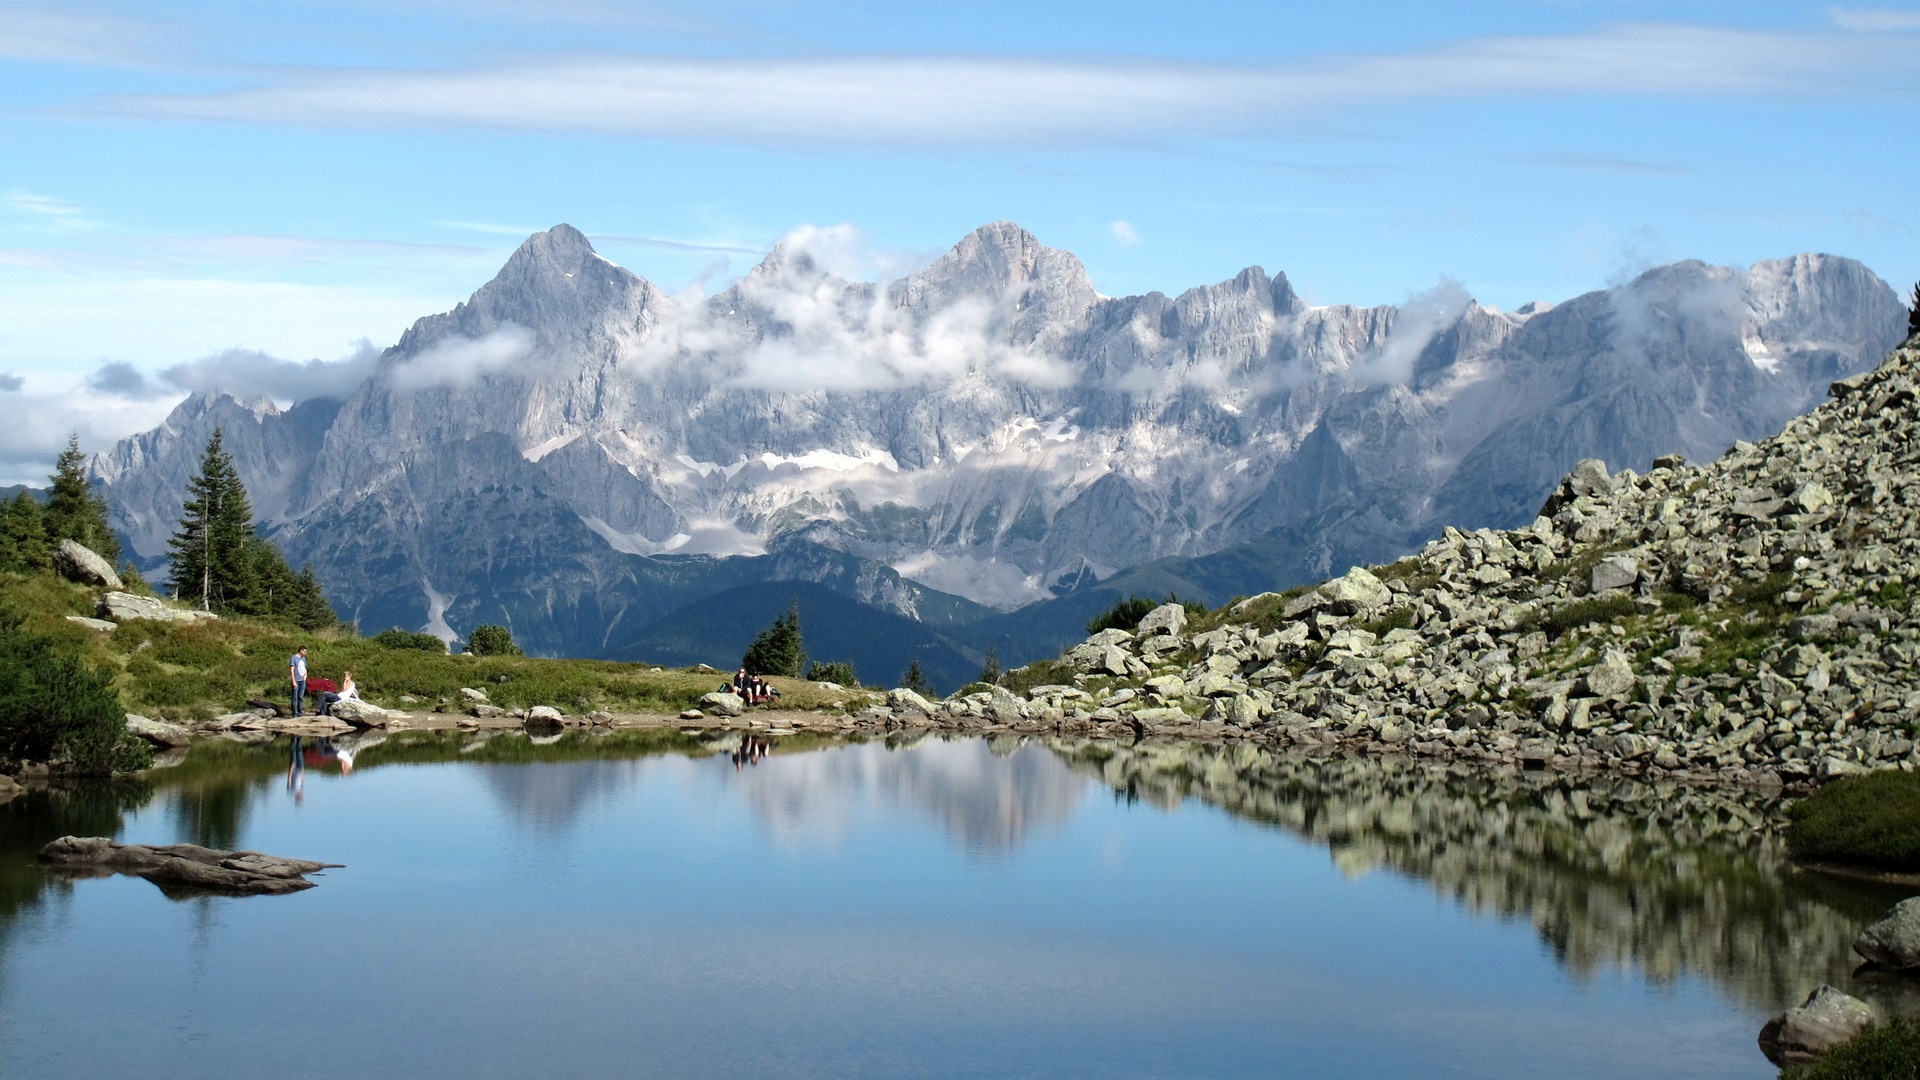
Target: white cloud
1874	20
248	374
1414	326
1124	234
44	205
975	102
823	332
61	33
459	361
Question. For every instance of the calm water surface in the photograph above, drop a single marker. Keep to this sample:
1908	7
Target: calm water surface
644	904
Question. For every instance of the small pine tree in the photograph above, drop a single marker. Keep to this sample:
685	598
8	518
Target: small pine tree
1913	312
779	650
308	606
916	680
133	580
990	671
23	536
74	510
491	640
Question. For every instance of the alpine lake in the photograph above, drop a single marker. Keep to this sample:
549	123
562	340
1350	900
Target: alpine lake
649	902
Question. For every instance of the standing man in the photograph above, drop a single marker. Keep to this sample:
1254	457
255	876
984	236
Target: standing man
297	674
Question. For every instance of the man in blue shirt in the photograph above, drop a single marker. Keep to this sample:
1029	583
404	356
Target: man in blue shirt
297	673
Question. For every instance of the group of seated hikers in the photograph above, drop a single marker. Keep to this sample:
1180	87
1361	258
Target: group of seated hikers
752	689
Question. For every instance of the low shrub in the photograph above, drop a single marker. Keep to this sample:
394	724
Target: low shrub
1597	609
1124	615
397	638
1871	820
491	640
55	705
1889	1051
1039	673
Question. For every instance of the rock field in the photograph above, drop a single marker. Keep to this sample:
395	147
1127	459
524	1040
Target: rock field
1744	621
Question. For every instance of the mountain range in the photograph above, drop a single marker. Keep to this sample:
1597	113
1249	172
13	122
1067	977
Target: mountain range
985	451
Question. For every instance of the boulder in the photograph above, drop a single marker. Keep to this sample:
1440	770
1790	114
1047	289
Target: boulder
186	866
10	788
361	713
122	606
484	711
77	562
1612	677
546	714
1167	618
1825	1020
722	703
1894	941
1813	627
468	693
1358	590
158	732
101	625
901	699
1614	572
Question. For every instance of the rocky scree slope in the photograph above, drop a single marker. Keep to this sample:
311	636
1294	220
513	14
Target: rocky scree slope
1749	620
572	451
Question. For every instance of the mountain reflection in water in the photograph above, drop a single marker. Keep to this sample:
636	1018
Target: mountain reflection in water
1668	880
988	795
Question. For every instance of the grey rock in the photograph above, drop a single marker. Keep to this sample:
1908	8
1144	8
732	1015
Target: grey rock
1813	627
546	714
1167	618
1825	1020
189	866
158	732
362	713
902	699
468	693
77	562
721	703
1612	677
1358	590
124	607
1893	941
101	625
1614	572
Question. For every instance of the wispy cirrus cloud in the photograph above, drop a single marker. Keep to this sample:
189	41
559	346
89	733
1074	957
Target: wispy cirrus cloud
987	103
69	34
1874	20
1599	163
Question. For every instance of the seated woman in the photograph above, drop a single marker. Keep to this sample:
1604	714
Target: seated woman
347	690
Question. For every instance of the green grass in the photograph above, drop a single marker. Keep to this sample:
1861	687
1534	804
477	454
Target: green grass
1611	608
1039	673
1871	821
1889	1051
184	670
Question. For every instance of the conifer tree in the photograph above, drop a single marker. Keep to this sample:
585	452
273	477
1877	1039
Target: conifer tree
307	605
74	510
1913	312
23	535
990	671
778	650
213	555
916	680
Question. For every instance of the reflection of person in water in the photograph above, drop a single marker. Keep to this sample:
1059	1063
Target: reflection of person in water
752	748
296	770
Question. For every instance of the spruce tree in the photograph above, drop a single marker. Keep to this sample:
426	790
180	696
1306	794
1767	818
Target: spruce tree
23	536
916	680
74	510
213	554
306	604
778	650
990	671
1913	312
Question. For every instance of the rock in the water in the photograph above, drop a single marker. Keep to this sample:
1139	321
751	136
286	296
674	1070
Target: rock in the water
124	606
187	867
1894	941
1616	572
722	703
9	788
1825	1020
1167	618
77	562
101	625
158	732
361	713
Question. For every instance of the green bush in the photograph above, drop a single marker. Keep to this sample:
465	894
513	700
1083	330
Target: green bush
53	705
491	640
397	638
1039	673
1124	615
1871	820
1889	1051
1598	609
840	673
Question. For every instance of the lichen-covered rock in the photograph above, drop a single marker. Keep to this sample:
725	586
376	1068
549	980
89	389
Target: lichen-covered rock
158	732
125	606
722	703
901	698
77	562
1894	941
1165	619
362	713
1825	1020
1358	590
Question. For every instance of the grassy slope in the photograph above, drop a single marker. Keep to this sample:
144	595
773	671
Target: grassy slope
181	670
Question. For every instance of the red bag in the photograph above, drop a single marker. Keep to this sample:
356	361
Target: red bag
322	686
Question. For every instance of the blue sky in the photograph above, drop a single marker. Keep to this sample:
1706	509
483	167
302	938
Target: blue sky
178	180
